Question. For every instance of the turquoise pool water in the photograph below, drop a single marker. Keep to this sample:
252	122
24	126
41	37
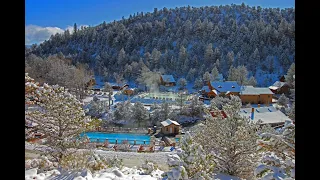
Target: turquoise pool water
140	138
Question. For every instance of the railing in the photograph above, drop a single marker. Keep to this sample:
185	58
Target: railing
122	129
119	141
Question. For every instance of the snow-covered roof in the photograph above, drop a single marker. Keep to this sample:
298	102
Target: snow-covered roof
273	87
206	88
250	90
215	91
231	86
168	78
268	115
168	122
279	84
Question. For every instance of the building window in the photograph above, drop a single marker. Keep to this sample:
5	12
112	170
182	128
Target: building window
166	128
268	96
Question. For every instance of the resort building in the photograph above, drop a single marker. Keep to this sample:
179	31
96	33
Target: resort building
256	95
170	127
167	80
267	115
220	88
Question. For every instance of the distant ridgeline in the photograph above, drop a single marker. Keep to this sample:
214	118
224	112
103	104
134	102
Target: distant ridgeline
185	41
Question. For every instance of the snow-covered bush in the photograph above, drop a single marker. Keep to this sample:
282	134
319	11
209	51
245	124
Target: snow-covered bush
279	149
190	162
148	167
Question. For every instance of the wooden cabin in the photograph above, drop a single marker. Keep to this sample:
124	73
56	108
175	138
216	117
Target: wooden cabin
167	80
170	127
280	88
254	95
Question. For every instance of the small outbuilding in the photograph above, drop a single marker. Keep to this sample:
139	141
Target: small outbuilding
170	127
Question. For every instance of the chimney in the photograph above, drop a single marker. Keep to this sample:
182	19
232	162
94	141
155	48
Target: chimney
252	113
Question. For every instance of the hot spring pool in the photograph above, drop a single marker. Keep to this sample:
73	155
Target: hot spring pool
140	138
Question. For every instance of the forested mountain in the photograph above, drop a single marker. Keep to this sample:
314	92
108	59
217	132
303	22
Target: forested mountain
185	41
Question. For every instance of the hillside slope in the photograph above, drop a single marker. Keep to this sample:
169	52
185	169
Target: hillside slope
177	40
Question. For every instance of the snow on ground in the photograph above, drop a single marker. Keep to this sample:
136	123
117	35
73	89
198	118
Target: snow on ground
131	158
106	174
225	177
156	157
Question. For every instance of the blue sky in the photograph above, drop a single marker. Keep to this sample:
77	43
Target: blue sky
46	17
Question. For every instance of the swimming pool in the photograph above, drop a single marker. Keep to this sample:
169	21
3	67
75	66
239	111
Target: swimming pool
140	138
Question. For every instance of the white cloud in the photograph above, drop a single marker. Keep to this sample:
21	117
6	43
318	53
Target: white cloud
37	34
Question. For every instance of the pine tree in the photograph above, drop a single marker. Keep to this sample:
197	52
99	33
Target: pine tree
234	146
198	84
182	82
279	149
232	74
121	58
182	58
196	107
191	74
230	59
155	56
206	77
75	28
242	75
252	81
208	55
108	88
192	162
283	100
140	114
59	115
290	74
215	74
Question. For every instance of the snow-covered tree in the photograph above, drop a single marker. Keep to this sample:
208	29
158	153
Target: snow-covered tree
96	108
139	113
123	112
232	140
191	162
198	83
208	54
155	56
218	102
215	74
182	82
191	74
109	90
290	74
283	100
291	112
196	107
165	110
279	159
59	115
242	74
206	76
252	81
